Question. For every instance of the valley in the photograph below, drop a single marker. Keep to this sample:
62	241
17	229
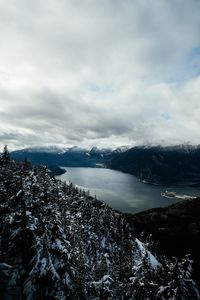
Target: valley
123	192
173	165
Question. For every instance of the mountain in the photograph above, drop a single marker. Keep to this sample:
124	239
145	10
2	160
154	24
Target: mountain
57	242
68	156
55	156
120	149
178	165
47	149
100	153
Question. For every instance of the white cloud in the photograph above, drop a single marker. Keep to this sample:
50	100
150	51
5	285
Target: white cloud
99	72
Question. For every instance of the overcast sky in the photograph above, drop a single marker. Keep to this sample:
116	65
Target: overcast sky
99	72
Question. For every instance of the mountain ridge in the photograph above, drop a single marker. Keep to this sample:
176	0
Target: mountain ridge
179	165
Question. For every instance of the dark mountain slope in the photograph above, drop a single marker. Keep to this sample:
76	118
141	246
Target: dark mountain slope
176	228
67	159
168	165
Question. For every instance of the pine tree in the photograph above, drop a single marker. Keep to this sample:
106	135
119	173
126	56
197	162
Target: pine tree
5	156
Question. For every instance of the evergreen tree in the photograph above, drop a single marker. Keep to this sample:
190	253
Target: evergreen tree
5	156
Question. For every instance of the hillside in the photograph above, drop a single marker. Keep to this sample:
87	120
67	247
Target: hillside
57	242
178	165
176	228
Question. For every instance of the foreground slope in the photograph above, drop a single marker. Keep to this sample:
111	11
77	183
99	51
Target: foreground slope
57	242
176	228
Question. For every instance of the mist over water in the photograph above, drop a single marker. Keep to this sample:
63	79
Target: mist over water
121	191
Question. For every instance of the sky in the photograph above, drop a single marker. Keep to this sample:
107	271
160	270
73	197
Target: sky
99	72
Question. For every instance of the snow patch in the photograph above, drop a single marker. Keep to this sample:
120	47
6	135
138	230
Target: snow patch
153	262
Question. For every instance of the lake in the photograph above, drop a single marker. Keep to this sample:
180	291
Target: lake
121	191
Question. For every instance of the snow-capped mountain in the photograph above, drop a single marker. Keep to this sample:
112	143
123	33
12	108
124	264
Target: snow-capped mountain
100	152
66	156
45	149
121	149
52	149
57	156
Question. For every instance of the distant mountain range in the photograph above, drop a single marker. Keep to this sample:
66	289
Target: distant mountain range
178	165
68	157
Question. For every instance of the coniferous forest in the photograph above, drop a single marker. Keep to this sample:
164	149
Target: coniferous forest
58	242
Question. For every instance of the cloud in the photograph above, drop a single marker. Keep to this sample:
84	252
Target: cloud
99	72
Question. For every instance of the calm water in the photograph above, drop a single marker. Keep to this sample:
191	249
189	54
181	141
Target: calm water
122	191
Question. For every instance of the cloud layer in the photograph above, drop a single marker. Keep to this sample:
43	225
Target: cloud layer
88	72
